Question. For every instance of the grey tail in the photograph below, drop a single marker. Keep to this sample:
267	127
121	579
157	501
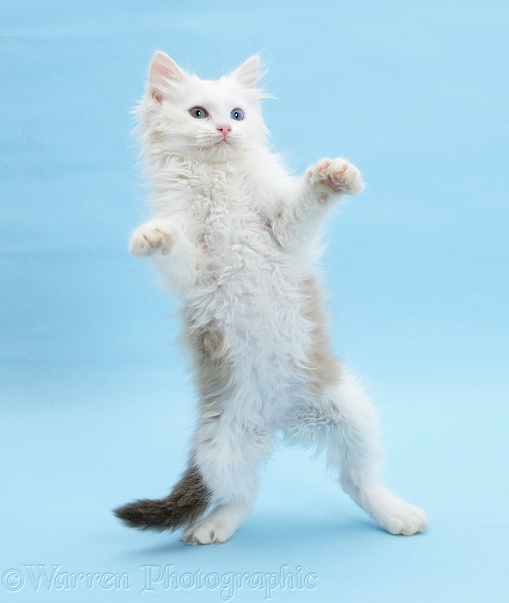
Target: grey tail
188	500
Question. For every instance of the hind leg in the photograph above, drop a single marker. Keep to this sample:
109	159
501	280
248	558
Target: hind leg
343	423
229	456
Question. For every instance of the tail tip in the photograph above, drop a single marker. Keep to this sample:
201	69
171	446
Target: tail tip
134	515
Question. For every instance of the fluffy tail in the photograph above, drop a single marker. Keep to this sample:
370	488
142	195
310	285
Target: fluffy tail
188	500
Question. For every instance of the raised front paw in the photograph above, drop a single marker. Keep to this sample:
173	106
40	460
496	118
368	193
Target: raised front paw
151	236
335	175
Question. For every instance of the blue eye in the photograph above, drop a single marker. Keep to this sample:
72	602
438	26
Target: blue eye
237	114
198	113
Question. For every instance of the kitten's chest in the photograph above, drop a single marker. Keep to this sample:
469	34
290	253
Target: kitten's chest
237	254
228	227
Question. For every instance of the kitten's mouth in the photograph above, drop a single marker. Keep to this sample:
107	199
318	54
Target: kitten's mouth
223	142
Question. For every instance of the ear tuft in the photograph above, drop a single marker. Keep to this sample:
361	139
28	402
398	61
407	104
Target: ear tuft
248	73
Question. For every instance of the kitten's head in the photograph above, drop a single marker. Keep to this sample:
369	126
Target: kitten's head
213	120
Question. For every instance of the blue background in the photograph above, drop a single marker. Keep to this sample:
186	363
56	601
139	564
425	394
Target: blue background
96	406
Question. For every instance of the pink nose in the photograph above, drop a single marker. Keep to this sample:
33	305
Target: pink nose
224	130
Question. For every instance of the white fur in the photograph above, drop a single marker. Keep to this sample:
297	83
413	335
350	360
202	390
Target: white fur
234	236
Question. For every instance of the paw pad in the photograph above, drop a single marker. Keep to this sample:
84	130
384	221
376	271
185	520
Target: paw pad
149	237
336	175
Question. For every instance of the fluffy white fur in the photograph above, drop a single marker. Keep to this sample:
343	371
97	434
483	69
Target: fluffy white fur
235	238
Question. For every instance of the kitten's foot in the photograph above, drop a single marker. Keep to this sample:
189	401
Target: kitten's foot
335	175
149	237
399	517
218	526
408	521
207	531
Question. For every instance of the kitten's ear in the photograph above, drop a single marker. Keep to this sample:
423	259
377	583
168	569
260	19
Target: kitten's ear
163	70
248	73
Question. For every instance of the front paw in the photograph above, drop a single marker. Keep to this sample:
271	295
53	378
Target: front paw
335	175
149	237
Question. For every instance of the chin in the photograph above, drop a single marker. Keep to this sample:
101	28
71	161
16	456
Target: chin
220	152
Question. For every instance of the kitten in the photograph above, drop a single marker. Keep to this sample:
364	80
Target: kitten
235	238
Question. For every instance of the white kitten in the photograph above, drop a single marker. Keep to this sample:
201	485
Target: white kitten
235	238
